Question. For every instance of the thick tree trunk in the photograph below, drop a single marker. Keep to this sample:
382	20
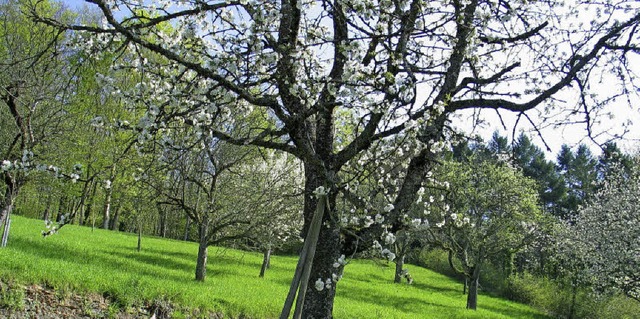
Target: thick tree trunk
201	263
266	259
399	267
472	297
319	303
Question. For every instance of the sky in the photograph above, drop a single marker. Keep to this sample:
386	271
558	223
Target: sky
551	135
74	3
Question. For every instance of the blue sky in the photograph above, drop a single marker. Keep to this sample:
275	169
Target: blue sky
75	3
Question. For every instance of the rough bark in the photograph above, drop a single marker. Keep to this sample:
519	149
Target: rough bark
266	258
319	303
203	245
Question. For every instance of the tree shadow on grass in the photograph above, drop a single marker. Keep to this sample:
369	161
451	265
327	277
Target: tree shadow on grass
54	250
510	311
156	259
176	254
438	289
410	305
377	277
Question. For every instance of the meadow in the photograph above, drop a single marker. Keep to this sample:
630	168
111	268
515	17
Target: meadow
83	260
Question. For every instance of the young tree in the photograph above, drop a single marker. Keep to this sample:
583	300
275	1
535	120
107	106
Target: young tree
493	212
275	182
398	66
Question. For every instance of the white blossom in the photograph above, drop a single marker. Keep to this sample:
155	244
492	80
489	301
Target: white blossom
368	221
319	285
320	191
6	165
389	238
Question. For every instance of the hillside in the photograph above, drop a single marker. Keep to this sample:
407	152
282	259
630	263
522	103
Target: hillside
79	261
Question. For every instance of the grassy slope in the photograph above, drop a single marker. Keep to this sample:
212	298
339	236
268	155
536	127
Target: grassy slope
103	261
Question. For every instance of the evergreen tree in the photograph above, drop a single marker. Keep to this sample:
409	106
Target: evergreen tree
613	158
580	176
531	159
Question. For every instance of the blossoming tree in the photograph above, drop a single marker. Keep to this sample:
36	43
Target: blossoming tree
601	242
384	67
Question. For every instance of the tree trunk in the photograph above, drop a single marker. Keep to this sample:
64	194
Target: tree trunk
139	238
187	228
203	244
47	214
107	209
107	199
399	266
466	284
113	222
5	233
574	294
265	261
5	212
61	208
47	211
319	303
472	297
89	206
162	222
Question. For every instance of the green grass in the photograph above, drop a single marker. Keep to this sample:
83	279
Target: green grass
107	262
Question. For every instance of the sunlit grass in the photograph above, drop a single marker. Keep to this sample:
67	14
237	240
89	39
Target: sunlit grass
107	262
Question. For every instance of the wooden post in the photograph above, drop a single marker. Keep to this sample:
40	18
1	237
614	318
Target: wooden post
303	269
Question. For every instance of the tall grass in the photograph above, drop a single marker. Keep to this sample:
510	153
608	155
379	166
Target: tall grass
107	262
